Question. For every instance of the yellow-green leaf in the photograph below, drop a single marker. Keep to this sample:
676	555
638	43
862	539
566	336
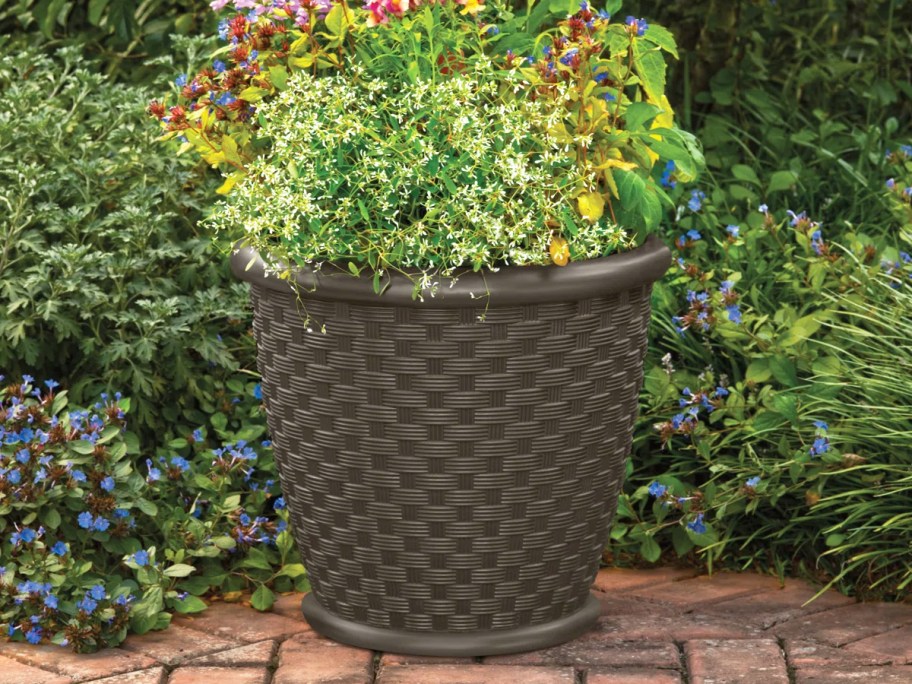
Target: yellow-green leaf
253	94
591	205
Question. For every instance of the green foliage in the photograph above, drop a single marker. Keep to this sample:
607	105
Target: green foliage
121	34
104	279
432	180
781	404
97	541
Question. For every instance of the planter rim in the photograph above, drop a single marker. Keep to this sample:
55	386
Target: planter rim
510	285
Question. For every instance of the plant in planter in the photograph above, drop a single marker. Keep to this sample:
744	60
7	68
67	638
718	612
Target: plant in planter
443	209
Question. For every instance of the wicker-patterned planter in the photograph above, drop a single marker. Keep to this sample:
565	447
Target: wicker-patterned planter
451	481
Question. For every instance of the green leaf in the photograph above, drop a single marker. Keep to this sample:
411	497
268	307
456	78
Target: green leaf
782	180
225	543
179	570
834	539
639	114
147	507
783	369
82	446
801	330
291	570
278	75
766	420
787	405
649	549
51	518
649	65
263	598
96	8
190	604
745	173
661	36
758	371
335	21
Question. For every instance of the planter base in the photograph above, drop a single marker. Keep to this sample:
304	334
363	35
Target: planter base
451	643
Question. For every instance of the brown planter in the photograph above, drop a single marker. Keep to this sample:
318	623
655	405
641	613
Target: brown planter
451	481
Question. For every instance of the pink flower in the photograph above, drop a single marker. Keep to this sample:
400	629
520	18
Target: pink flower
218	4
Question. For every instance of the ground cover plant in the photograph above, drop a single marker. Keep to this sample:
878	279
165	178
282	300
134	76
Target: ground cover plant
97	538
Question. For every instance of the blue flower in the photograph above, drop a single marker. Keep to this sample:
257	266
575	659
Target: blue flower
219	66
279	504
763	209
694	235
59	549
14	476
666	180
51	601
87	605
734	313
27	535
258	391
568	56
492	31
181	80
23	455
141	558
721	392
733	230
78	476
696	525
609	97
27	379
752	482
85	520
891	183
198	435
695	203
820	425
657	489
821	446
33	636
107	484
101	524
97	592
638	25
180	463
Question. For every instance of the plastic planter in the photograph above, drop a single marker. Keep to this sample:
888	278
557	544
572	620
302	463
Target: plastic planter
451	480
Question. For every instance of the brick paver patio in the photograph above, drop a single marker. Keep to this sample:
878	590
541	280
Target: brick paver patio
664	626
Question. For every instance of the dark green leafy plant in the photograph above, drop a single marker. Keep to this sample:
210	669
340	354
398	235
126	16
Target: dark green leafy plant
97	541
104	279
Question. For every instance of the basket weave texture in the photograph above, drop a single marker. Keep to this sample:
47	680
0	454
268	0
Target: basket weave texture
446	474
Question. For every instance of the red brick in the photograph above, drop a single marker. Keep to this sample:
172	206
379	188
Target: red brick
870	675
14	672
841	626
895	645
613	580
631	605
604	676
701	591
240	623
222	675
664	627
79	667
156	675
401	659
778	605
585	652
475	674
176	644
747	661
289	605
813	656
260	653
308	660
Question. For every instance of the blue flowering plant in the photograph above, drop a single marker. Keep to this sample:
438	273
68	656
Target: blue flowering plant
364	136
98	539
